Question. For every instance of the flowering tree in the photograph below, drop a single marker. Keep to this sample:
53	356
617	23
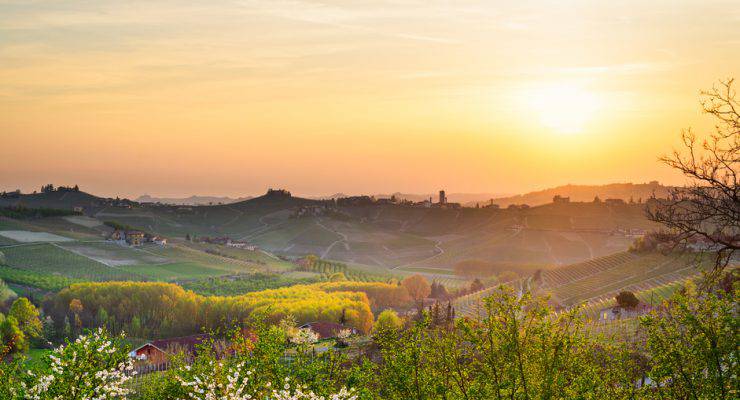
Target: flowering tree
94	366
304	336
216	380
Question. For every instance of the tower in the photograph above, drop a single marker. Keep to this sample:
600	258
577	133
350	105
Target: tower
442	197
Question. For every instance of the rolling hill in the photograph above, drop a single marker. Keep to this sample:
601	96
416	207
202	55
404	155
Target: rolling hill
586	193
376	235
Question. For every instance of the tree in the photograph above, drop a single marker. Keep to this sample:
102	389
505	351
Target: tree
627	299
439	291
693	346
708	208
418	287
12	338
388	319
27	317
476	285
337	277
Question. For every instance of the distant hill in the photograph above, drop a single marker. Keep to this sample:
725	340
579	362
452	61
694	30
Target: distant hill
462	198
582	193
191	201
59	198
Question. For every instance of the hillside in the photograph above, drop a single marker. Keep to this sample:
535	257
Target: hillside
63	199
378	236
585	193
191	201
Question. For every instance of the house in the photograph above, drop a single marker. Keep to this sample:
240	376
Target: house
614	202
327	330
159	351
118	236
134	238
558	199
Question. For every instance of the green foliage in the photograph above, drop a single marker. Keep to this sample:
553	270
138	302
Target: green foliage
27	317
241	284
12	338
5	292
53	260
169	310
693	345
388	320
94	366
329	268
34	279
381	295
337	277
516	348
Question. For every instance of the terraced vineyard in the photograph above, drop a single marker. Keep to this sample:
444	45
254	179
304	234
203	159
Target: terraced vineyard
575	272
470	304
653	296
640	273
597	281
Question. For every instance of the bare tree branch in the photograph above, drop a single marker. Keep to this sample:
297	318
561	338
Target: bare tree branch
707	210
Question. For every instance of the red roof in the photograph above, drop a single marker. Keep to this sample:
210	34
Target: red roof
186	343
327	330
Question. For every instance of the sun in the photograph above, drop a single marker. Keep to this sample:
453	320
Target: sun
563	108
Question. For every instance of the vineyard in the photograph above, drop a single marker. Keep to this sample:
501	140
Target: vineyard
49	259
241	284
575	272
640	273
652	276
328	268
34	279
652	296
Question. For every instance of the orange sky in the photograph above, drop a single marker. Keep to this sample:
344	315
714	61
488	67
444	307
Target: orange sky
231	97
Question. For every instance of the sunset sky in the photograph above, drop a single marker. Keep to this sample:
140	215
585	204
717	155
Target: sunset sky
174	98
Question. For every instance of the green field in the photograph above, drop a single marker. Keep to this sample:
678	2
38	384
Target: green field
45	281
53	260
177	271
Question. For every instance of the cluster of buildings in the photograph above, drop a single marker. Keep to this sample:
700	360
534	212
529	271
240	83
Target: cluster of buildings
135	238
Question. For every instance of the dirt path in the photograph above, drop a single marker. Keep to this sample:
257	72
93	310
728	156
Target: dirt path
436	247
331	246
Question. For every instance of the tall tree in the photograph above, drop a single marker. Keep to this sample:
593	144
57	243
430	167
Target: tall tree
708	209
418	287
27	316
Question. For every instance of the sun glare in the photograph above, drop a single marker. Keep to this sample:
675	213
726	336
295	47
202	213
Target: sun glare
562	108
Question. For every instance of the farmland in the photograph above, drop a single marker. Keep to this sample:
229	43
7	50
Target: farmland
597	281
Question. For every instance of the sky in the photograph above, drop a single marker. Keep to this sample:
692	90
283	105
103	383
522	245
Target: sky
174	98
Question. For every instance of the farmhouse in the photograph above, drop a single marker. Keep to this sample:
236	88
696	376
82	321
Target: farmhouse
327	330
159	351
134	238
131	238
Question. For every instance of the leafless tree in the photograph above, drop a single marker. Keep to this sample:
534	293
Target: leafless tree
707	209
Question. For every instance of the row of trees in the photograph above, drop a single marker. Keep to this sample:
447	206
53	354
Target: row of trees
163	309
